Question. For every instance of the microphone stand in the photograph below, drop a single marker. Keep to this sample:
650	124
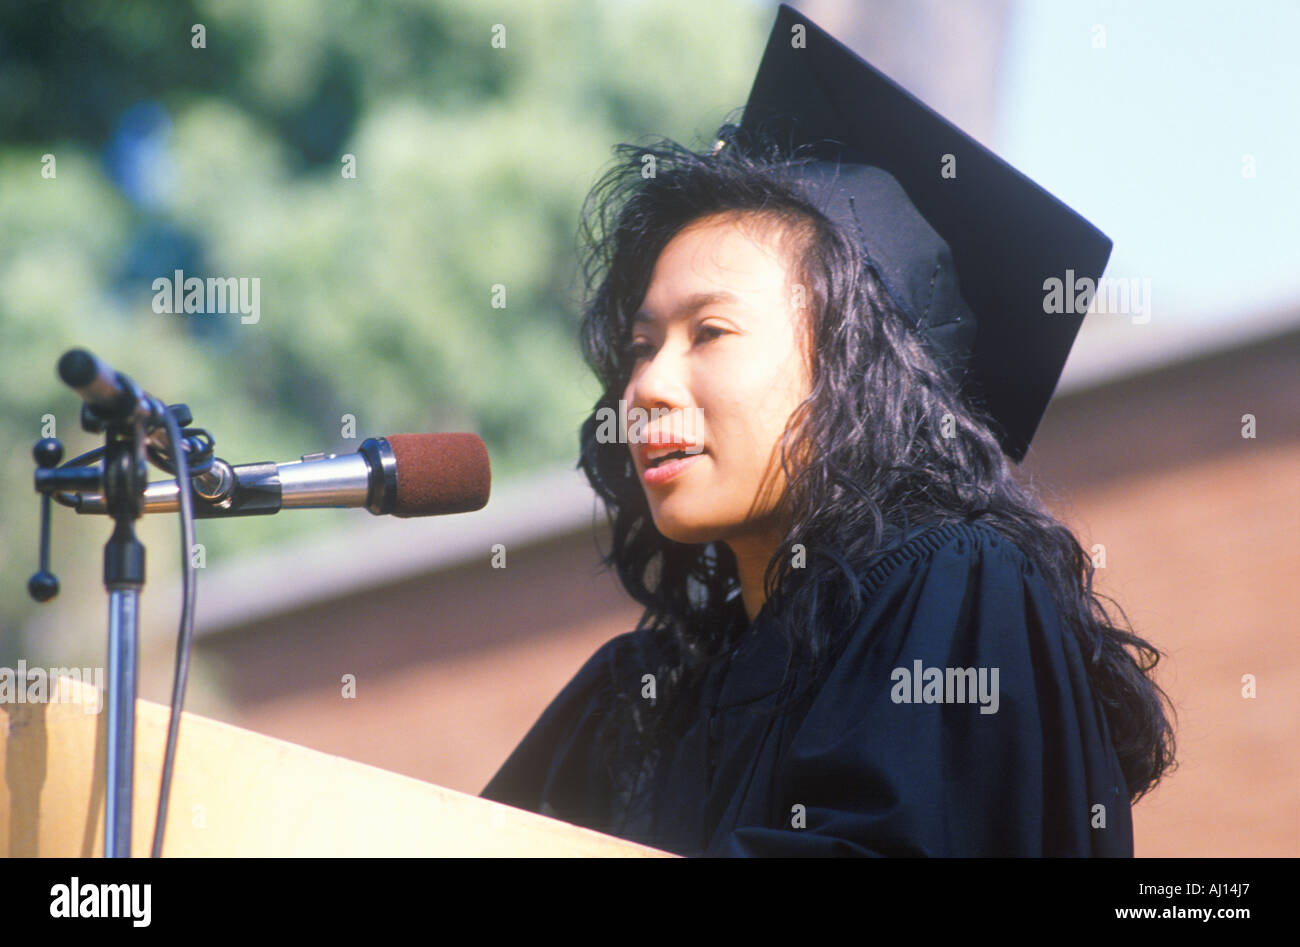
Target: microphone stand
125	477
122	480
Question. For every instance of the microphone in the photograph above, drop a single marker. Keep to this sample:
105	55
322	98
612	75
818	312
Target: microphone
109	395
404	475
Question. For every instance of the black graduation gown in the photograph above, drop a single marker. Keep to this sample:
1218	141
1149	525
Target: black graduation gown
855	771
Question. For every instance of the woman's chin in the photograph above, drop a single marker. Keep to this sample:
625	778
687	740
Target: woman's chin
683	528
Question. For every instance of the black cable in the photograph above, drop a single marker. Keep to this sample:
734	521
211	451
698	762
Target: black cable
88	457
185	636
198	446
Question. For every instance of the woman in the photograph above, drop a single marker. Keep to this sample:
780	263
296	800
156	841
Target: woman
861	635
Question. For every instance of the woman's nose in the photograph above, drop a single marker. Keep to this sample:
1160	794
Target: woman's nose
661	381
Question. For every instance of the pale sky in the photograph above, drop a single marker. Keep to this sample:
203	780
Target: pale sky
1157	123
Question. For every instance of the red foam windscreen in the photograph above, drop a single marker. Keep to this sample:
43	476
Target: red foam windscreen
440	473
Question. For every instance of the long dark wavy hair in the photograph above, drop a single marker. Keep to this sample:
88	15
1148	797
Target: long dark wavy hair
874	459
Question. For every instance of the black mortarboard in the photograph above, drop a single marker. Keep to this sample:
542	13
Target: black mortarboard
969	270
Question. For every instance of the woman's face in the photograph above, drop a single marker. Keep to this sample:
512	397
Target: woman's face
719	368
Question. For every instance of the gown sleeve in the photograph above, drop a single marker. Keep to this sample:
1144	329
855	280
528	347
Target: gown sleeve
555	769
877	776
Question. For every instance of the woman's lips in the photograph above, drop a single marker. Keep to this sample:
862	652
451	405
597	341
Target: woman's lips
655	476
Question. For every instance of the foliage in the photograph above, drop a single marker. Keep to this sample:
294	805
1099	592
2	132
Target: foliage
376	292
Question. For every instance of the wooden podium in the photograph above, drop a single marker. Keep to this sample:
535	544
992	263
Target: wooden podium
240	793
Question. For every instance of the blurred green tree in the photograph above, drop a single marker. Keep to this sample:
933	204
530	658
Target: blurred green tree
232	158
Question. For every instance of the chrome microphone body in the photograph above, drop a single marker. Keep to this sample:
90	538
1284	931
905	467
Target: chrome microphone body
405	475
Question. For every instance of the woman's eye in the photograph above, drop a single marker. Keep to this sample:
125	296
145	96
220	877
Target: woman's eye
638	350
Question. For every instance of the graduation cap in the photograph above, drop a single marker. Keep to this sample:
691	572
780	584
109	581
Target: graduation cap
962	241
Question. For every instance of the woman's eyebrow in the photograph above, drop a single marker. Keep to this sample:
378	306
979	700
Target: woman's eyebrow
690	305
